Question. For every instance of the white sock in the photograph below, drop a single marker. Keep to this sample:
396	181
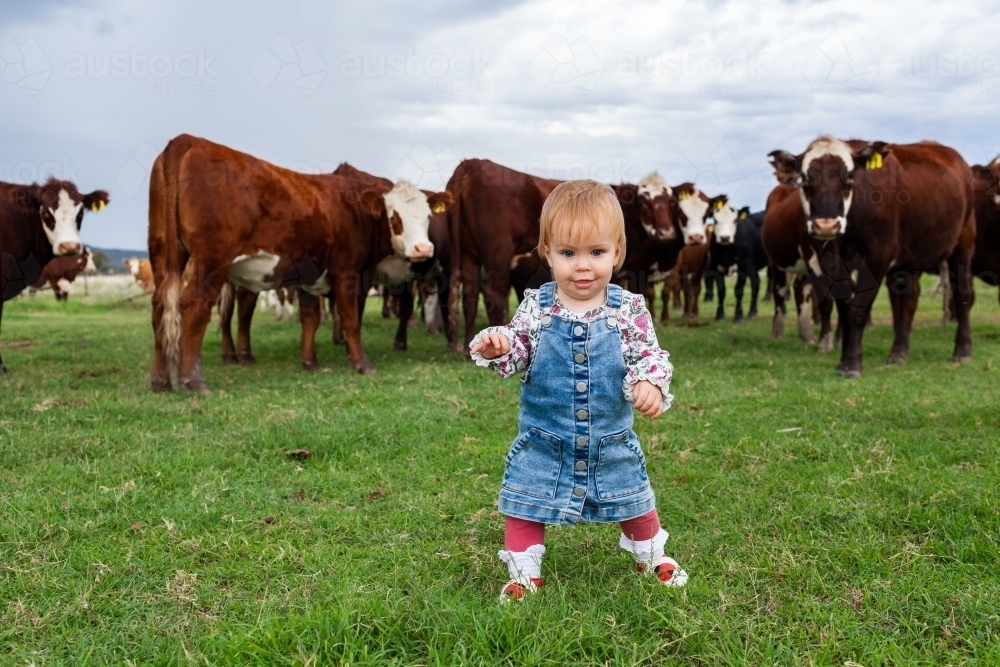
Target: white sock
524	565
645	551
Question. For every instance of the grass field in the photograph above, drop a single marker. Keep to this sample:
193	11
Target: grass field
823	521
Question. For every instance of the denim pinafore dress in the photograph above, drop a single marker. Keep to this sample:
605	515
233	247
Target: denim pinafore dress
575	457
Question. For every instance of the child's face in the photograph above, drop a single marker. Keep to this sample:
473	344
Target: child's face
582	268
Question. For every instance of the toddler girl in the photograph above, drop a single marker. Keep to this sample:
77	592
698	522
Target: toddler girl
588	353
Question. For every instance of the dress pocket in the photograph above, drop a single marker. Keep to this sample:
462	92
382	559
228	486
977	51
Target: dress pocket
534	464
621	467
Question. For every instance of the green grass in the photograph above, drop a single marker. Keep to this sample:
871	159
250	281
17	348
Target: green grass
171	529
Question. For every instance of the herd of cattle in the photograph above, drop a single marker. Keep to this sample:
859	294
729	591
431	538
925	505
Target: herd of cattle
225	226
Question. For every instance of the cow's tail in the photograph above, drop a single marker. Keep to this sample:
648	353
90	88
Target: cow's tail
164	228
225	302
944	281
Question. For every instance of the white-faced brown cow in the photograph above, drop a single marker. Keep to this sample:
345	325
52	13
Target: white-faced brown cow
218	215
37	224
875	210
60	273
142	272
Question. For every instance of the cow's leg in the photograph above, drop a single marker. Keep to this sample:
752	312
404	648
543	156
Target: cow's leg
852	321
226	307
741	282
405	313
197	301
496	289
720	312
350	319
309	319
470	299
387	305
710	279
246	302
665	292
778	280
159	373
754	291
804	306
3	369
962	296
825	308
901	285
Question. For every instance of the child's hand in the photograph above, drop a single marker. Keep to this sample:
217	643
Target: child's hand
648	398
492	346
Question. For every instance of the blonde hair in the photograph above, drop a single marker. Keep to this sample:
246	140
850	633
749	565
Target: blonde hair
578	210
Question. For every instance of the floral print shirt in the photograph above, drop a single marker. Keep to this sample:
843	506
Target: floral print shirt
644	360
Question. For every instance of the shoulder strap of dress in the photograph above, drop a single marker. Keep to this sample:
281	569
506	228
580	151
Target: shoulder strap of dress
546	295
614	296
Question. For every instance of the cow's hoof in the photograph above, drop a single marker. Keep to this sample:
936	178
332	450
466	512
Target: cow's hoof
198	387
960	358
720	317
230	359
895	359
247	360
738	318
708	298
777	327
310	365
399	345
849	374
826	342
752	314
160	386
366	368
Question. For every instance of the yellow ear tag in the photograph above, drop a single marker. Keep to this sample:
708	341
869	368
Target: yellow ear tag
97	205
684	195
438	208
874	162
719	205
743	216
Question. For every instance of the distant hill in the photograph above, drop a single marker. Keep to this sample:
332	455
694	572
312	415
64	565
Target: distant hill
115	257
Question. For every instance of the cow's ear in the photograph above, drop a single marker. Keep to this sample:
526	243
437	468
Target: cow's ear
717	203
787	167
872	156
744	213
96	200
373	202
25	195
440	201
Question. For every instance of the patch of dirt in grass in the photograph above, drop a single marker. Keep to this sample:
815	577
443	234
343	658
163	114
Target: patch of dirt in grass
20	344
57	402
181	589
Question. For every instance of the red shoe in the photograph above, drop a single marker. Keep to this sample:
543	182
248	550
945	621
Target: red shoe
668	571
516	589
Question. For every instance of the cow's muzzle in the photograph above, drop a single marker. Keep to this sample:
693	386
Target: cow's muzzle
68	249
422	251
725	240
825	229
696	239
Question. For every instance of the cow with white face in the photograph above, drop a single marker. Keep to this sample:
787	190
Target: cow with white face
694	206
409	211
877	211
656	206
825	175
37	224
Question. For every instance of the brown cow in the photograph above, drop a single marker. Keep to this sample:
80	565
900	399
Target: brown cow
986	260
876	210
60	273
218	215
38	223
494	231
142	271
789	251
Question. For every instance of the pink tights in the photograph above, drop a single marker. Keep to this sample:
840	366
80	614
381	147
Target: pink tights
519	534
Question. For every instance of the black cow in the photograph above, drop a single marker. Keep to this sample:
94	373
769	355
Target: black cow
736	246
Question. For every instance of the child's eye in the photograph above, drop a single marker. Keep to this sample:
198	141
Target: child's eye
597	253
567	253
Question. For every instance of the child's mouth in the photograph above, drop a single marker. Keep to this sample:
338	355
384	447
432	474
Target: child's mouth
582	284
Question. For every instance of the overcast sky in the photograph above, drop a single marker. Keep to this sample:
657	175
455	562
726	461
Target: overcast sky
92	90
